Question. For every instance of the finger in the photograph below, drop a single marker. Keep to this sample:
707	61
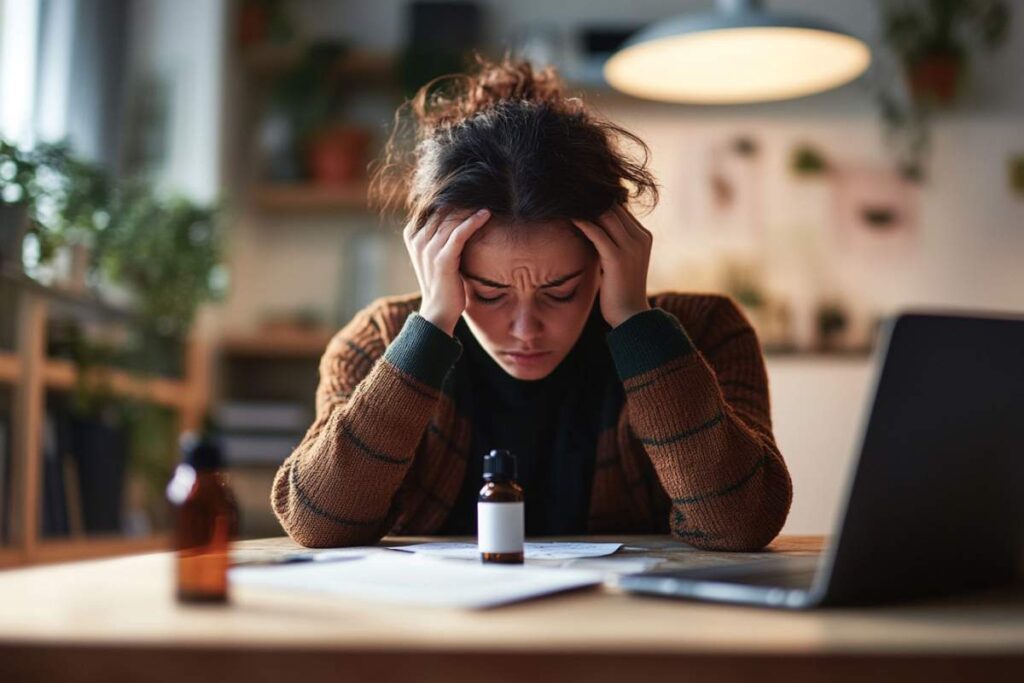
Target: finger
456	219
604	244
457	240
632	224
618	227
437	218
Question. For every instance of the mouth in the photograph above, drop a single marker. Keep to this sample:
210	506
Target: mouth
525	357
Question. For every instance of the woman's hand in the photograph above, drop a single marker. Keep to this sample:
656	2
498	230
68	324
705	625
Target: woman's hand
436	251
624	247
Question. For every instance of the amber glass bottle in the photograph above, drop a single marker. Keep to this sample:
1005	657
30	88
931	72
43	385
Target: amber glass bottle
499	511
205	516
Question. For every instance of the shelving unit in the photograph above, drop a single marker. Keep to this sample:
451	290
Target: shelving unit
257	66
30	373
276	366
284	343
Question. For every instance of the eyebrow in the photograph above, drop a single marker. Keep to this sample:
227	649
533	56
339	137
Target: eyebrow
553	283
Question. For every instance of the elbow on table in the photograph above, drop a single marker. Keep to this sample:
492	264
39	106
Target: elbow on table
314	538
747	531
312	532
743	540
313	528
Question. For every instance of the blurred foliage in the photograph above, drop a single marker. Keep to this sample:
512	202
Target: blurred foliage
931	42
917	29
67	198
808	160
167	250
309	94
164	249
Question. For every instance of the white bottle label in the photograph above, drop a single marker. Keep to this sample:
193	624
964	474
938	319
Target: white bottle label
500	527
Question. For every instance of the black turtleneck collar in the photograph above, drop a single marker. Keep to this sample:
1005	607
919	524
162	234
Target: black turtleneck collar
549	424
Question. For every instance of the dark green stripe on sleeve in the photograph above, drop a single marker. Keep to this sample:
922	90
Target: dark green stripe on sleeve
423	350
647	341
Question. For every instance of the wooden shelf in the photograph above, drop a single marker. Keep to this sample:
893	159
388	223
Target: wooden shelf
354	66
279	344
311	197
30	374
62	374
87	547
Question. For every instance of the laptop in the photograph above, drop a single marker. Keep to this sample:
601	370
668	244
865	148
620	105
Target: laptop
934	503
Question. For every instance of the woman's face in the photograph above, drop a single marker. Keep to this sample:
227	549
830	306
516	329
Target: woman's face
529	293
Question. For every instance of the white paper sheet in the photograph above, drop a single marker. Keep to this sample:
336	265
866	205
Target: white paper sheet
531	551
410	579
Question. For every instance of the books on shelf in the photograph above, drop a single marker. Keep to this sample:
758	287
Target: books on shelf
261	432
247	416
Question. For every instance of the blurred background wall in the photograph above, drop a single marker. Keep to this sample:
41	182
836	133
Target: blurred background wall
807	210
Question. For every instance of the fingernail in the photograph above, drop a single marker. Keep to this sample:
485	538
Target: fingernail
481	212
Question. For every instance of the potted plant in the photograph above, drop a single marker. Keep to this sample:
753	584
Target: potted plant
58	199
832	320
930	44
166	251
17	173
933	40
307	101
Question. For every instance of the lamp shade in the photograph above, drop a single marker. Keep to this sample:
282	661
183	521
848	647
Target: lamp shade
738	54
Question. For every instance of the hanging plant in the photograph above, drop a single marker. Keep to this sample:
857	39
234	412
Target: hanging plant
934	40
931	44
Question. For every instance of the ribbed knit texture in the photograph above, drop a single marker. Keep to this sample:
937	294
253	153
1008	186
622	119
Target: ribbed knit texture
692	453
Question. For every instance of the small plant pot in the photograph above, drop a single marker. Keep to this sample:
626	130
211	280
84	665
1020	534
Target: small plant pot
337	155
935	78
13	226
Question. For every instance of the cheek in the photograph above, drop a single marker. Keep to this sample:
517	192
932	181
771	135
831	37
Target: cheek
563	322
487	320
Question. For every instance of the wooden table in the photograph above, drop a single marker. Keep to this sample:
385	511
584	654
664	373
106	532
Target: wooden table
115	619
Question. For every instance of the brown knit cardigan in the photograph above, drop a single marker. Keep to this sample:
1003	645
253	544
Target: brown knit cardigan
692	453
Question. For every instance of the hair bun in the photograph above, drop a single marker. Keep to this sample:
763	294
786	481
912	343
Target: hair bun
447	100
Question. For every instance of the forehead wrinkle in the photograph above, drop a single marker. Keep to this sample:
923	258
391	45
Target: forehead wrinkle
526	262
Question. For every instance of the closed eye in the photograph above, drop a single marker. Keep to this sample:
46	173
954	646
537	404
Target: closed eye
567	297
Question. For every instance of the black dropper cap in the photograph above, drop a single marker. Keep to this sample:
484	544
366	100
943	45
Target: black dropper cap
499	464
201	450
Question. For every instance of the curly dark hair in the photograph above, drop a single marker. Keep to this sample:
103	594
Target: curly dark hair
506	137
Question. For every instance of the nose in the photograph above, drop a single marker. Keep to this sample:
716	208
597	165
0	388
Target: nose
526	326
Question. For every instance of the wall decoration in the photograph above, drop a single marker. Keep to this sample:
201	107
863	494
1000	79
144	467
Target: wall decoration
831	324
729	201
806	160
876	209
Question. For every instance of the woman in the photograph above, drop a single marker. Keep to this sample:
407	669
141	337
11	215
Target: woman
533	331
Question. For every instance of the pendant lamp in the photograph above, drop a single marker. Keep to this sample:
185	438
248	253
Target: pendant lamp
739	53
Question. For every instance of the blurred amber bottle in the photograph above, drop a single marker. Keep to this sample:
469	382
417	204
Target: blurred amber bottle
205	517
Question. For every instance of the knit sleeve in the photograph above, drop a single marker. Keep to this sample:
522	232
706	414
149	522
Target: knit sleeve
373	404
702	416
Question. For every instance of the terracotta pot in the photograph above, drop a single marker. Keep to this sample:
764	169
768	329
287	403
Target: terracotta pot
253	21
935	77
337	155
